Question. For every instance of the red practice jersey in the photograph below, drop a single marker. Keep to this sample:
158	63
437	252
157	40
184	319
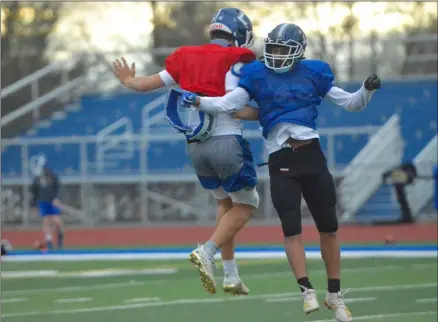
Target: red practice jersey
202	69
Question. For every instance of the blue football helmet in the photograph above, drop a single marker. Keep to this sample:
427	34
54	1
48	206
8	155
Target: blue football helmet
284	46
236	23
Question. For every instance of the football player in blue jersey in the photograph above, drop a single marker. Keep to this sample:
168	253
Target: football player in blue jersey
288	88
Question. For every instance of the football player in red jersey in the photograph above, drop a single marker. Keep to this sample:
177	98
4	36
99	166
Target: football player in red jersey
221	157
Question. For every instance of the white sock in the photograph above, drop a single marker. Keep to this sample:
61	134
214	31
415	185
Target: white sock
211	248
230	267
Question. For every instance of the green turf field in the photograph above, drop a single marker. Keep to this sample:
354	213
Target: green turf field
397	290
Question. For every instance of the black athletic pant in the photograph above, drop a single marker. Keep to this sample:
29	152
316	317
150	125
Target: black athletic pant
303	171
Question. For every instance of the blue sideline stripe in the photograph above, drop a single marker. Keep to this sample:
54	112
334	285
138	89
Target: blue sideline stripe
374	248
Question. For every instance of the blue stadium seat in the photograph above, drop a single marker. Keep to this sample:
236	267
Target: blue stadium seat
415	102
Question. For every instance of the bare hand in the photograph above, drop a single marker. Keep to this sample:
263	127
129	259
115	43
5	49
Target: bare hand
123	72
56	202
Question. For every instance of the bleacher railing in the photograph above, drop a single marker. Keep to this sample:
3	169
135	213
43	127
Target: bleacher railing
111	144
422	190
146	118
68	88
363	175
362	65
85	178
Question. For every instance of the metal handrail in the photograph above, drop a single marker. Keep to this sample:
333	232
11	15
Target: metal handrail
358	184
421	191
105	136
174	136
41	100
28	80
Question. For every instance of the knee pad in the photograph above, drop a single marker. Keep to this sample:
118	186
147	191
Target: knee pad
291	222
246	197
326	219
329	227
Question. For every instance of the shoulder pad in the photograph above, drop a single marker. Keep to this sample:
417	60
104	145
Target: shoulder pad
252	68
235	69
244	55
316	65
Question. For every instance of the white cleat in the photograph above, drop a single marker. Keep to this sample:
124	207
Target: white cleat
310	300
233	285
206	267
335	302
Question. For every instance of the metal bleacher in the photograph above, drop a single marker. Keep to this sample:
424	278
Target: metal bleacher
414	102
123	136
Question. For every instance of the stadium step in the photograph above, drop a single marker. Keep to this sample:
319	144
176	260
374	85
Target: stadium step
106	165
382	206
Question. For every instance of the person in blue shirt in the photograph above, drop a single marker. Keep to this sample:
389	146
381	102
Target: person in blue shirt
45	190
288	88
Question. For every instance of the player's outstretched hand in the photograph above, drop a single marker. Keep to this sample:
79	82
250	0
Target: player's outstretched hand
188	99
123	71
372	83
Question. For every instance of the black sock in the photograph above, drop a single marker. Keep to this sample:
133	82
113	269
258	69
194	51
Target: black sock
304	281
333	286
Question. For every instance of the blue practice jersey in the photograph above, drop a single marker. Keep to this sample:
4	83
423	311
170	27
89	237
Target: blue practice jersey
45	188
290	97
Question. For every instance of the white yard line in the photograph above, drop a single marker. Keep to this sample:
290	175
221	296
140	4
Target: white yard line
383	316
372	269
376	269
205	301
73	300
25	274
392	287
360	299
282	300
95	273
13	300
143	299
312	254
289	299
77	288
424	265
433	300
147	304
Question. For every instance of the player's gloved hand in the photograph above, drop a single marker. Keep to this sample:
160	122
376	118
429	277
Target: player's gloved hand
188	99
372	83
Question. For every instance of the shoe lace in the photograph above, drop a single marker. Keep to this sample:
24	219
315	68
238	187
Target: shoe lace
307	293
339	299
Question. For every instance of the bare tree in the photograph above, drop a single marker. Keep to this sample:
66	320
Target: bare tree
181	23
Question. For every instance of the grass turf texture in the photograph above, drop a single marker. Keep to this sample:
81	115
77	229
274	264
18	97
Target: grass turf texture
383	290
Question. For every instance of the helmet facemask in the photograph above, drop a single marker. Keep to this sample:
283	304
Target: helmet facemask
281	57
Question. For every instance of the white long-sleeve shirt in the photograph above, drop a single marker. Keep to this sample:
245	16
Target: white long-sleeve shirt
239	98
